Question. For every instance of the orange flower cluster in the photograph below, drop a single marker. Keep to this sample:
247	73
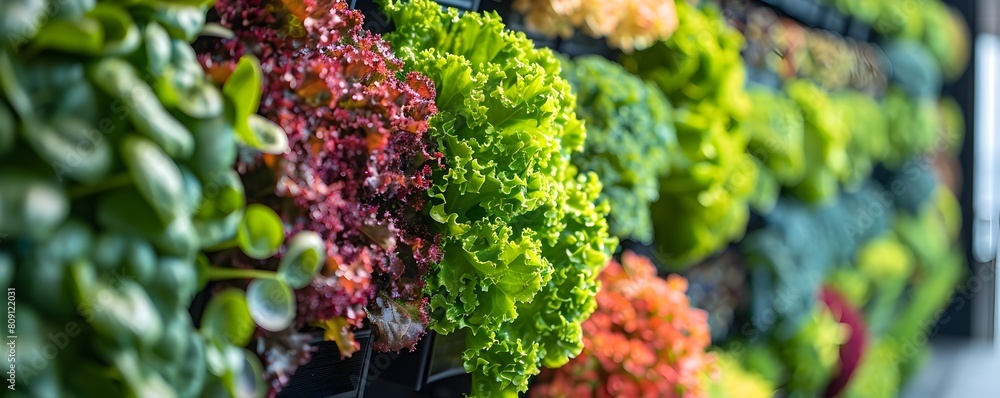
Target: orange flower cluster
627	24
644	340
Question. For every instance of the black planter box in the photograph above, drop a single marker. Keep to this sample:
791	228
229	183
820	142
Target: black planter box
327	376
434	369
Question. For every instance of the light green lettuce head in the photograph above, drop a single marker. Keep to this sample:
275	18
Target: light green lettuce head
523	233
703	202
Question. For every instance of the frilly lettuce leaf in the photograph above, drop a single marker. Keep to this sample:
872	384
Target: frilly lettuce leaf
523	234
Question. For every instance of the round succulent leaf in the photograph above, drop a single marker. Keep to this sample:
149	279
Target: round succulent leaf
305	256
227	320
261	233
271	303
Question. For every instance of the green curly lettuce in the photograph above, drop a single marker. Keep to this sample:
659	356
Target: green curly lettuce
524	235
776	131
913	125
826	143
868	130
630	138
703	202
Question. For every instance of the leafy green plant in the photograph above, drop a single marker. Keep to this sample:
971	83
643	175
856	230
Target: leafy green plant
913	125
735	381
812	353
776	131
630	140
703	202
789	257
524	235
117	164
868	129
826	142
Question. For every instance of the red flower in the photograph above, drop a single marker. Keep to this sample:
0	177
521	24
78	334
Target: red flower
644	340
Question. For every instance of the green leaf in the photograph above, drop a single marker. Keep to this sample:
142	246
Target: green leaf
215	232
156	176
271	303
304	258
223	194
214	29
72	241
184	349
268	137
12	88
243	88
179	238
30	206
192	190
46	282
239	371
73	147
519	224
71	9
140	260
79	36
201	101
183	22
250	382
125	210
84	278
125	313
21	20
78	100
175	82
158	50
227	320
215	148
202	265
118	79
261	232
175	282
109	250
121	36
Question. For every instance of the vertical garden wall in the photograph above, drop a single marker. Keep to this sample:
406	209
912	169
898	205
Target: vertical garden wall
306	198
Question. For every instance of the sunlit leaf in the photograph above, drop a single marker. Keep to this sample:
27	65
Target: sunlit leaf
261	232
304	258
227	318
